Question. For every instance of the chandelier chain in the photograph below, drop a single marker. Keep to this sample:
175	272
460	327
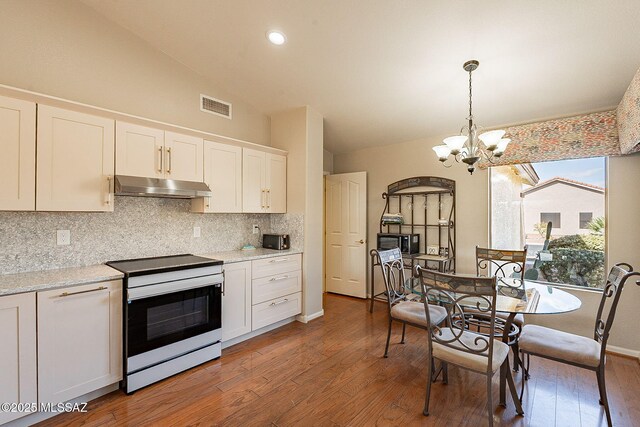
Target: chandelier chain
470	96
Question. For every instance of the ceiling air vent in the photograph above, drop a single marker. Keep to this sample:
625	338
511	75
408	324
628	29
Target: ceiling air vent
215	106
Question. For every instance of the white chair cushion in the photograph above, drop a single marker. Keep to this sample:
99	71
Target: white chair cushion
413	312
462	357
559	345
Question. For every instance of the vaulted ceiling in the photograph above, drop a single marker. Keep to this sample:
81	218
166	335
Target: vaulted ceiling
382	71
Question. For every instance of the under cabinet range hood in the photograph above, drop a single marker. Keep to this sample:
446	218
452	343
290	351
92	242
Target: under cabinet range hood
156	187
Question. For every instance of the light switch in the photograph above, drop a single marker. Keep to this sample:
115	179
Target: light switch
196	232
63	237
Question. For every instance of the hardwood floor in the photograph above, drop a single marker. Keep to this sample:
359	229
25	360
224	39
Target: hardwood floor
331	372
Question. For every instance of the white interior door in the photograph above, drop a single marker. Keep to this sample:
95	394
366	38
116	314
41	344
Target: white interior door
346	229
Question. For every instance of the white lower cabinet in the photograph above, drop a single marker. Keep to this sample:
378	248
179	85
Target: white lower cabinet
17	352
269	312
260	293
79	340
236	301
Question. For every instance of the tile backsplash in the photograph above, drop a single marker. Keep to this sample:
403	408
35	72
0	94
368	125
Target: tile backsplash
138	227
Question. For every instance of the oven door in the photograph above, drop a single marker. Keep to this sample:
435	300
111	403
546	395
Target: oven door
162	320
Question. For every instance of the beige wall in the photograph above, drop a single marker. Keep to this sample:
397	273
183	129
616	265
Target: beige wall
391	163
300	132
568	200
394	162
327	161
506	208
65	49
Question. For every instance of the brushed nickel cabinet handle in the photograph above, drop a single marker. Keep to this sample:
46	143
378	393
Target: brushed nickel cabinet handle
108	199
274	279
169	160
68	294
268	199
273	304
278	260
161	158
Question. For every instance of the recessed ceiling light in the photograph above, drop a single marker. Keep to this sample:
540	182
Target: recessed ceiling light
276	37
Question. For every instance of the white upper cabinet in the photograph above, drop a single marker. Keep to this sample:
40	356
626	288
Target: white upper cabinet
17	352
139	150
223	174
154	153
183	157
276	177
264	182
75	161
254	183
17	154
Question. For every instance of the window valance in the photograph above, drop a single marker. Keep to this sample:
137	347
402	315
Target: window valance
628	113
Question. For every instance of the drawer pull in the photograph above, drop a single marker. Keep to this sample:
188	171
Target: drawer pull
273	304
68	294
273	279
278	260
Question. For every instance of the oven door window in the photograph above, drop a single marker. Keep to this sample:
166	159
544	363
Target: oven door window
164	319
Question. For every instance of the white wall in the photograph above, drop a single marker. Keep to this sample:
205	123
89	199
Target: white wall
566	199
65	49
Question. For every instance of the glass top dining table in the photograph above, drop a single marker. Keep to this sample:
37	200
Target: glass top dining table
510	299
510	293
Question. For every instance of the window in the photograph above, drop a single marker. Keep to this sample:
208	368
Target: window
553	218
585	219
568	193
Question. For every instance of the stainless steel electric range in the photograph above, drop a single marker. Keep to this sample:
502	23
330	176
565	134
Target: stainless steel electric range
172	316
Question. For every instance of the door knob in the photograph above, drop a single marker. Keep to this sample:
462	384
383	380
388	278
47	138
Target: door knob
360	241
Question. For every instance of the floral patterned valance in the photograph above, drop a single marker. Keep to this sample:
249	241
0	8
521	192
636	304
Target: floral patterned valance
629	117
588	135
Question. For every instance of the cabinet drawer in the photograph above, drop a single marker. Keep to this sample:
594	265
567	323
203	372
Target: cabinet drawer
272	311
266	288
276	265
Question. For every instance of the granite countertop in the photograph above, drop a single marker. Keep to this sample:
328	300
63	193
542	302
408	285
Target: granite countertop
64	277
59	278
258	253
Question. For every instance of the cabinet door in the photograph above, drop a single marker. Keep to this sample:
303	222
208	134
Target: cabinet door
74	161
276	183
236	302
183	157
223	174
17	352
17	155
139	150
79	340
253	180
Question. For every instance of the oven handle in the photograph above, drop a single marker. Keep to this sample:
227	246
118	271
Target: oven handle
173	287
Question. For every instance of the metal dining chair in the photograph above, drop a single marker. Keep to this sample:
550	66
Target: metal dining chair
577	350
503	263
455	344
400	309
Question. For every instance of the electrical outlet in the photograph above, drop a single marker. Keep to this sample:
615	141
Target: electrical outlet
256	229
63	237
196	232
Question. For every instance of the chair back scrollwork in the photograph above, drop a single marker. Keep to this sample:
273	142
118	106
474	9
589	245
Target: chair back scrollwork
392	274
609	302
454	293
502	262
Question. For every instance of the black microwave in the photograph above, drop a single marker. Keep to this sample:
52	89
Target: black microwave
408	243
